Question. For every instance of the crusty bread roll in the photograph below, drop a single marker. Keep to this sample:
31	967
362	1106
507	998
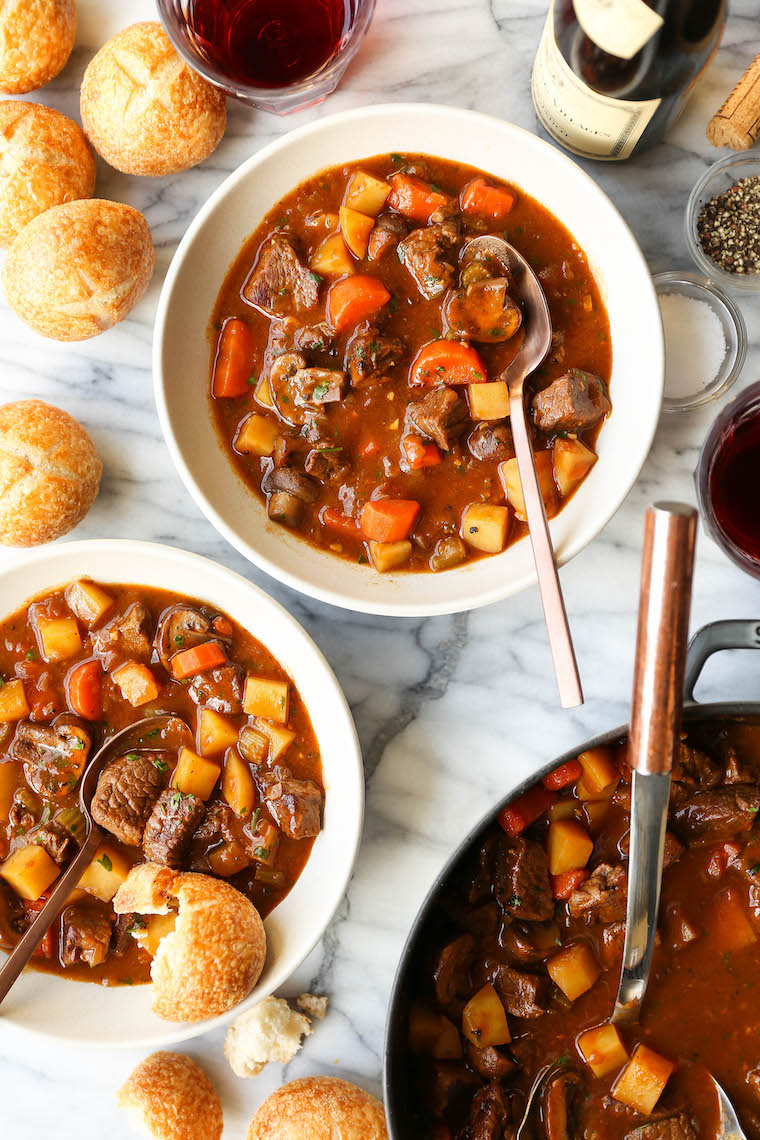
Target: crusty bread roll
144	110
215	954
36	38
78	269
45	160
49	473
319	1108
169	1097
268	1031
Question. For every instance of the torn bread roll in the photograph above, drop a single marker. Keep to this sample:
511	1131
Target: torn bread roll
79	269
36	38
45	160
169	1097
319	1108
268	1031
213	957
313	1005
49	473
144	110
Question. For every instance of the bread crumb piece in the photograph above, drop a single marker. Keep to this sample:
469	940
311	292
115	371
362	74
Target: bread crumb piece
269	1031
313	1004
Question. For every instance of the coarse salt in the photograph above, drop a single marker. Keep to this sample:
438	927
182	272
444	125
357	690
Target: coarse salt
695	344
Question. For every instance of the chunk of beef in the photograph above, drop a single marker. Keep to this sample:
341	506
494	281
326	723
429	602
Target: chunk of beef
181	627
447	1088
53	755
86	934
371	355
299	392
602	898
558	1108
483	311
738	769
678	1127
314	338
388	231
220	827
693	768
451	971
296	483
127	637
24	811
521	880
294	805
314	387
522	995
490	1062
491	441
530	943
289	449
57	841
221	689
327	462
671	853
280	282
170	827
573	402
490	1114
127	792
441	416
717	814
121	934
425	253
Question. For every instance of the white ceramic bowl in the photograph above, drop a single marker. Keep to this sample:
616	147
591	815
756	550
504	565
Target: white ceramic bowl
85	1014
181	350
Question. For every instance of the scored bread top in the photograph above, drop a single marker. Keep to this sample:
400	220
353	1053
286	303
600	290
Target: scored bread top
319	1108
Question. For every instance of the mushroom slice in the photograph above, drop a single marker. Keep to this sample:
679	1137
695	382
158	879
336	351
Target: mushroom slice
181	627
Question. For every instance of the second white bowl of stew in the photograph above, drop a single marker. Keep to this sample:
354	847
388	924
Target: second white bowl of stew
328	373
267	793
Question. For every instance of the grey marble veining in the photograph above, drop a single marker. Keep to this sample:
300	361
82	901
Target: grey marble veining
450	711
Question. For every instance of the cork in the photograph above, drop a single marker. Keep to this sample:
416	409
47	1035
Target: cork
737	123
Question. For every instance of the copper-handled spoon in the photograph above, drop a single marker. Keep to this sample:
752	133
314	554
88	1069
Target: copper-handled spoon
166	731
537	339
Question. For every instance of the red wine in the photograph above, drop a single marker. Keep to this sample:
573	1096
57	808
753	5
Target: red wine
269	43
611	76
734	480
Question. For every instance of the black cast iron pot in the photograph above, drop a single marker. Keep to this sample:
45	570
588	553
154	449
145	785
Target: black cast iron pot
400	1098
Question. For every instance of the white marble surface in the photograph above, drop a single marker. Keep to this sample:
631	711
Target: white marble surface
451	711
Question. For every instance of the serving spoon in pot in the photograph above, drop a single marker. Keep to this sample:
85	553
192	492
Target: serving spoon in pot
167	732
537	339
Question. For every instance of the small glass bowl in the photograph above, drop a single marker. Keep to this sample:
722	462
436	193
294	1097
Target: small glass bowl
719	177
734	330
280	100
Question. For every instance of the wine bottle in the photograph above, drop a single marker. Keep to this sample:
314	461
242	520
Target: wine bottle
611	76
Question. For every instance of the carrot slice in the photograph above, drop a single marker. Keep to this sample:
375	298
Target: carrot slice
419	454
565	883
336	520
491	202
526	809
388	520
413	198
84	686
560	778
197	659
233	360
447	362
355	299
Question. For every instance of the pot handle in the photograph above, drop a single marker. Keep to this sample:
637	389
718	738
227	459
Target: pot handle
739	634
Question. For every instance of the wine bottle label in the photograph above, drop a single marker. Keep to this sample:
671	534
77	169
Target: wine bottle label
620	27
585	122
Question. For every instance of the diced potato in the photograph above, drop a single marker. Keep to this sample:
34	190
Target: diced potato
256	435
485	526
569	846
263	392
730	926
484	1021
595	811
267	699
13	703
510	480
388	555
58	638
599	770
643	1080
30	871
137	683
152	929
194	775
237	784
572	462
356	228
366	193
331	258
9	778
89	602
432	1034
489	401
562	809
602	1050
280	739
105	874
216	733
574	969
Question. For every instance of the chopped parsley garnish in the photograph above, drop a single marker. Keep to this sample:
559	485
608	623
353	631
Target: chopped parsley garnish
175	799
179	639
252	380
131	756
105	862
316	278
398	159
32	655
137	924
320	391
161	765
755	867
261	852
514	900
